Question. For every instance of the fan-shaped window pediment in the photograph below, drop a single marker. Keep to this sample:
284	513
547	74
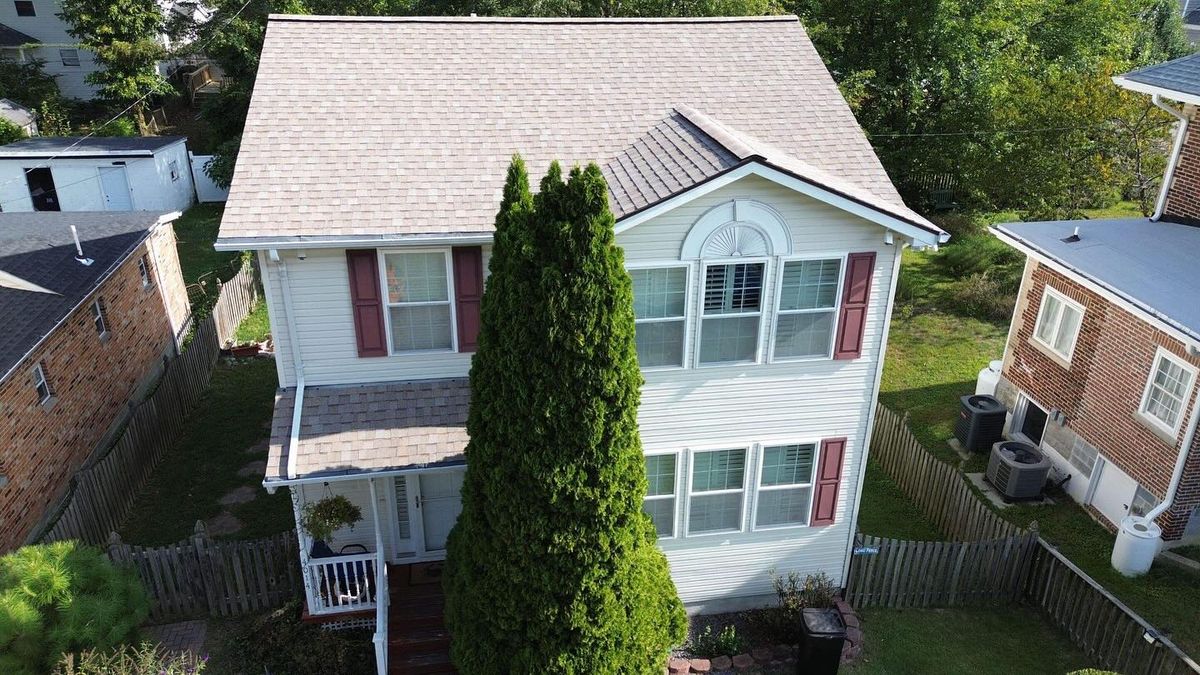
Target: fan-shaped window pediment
738	228
736	240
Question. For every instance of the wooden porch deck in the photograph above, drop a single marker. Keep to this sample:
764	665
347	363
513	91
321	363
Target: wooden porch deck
418	643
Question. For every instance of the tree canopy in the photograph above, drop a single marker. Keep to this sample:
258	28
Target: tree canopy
552	565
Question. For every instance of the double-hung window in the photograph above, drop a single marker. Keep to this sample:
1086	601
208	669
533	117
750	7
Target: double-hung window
144	271
100	317
659	302
1058	323
69	57
732	312
659	502
785	485
41	384
1167	391
420	316
717	491
808	292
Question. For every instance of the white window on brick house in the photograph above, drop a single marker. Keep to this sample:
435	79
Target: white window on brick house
41	384
1143	502
717	491
659	308
1083	457
420	314
785	486
1058	323
70	57
100	317
144	271
1167	390
659	502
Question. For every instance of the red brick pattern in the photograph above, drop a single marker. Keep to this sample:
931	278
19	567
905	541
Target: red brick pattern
1101	392
92	380
1183	195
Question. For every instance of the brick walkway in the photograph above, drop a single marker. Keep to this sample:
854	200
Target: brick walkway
185	636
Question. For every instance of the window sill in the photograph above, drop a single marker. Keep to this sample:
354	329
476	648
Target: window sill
48	404
105	336
1156	426
1062	361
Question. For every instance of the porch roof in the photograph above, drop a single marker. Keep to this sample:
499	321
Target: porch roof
356	429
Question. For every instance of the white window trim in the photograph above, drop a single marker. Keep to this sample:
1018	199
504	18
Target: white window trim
451	295
758	486
1065	302
144	271
39	375
98	315
1162	353
676	526
837	305
745	491
688	301
763	303
1024	400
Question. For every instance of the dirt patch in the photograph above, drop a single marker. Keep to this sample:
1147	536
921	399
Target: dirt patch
255	468
223	524
239	495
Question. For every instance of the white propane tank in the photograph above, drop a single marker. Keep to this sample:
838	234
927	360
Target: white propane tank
988	378
1138	542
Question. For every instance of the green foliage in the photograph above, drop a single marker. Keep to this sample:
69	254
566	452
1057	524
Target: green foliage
26	83
120	126
322	518
63	597
552	565
708	645
278	642
52	118
256	327
796	594
984	295
146	659
10	133
973	254
220	167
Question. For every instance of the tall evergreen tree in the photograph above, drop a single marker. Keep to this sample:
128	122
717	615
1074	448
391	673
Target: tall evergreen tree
552	566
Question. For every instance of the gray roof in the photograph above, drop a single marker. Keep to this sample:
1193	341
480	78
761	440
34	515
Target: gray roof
403	133
1181	75
15	112
45	146
37	248
1152	265
11	37
373	427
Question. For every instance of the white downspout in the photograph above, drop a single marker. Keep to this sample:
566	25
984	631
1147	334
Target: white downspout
1173	162
1180	463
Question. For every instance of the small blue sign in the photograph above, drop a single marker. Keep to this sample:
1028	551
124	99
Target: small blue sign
866	550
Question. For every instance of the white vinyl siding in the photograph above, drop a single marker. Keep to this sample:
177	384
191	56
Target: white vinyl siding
1167	390
660	312
660	500
785	485
1058	323
732	312
717	491
418	298
807	308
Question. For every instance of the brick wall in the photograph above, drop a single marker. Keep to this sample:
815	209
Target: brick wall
1100	390
1183	194
93	381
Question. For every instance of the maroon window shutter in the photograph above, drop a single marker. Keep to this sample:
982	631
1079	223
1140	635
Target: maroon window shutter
468	292
855	297
829	478
367	300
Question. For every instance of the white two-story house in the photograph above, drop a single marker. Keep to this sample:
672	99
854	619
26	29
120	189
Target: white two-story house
762	234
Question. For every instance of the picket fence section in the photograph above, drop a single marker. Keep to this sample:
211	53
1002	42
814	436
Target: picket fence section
201	577
937	488
234	301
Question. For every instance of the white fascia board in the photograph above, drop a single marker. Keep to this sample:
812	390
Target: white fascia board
918	235
1131	305
1142	87
276	482
264	243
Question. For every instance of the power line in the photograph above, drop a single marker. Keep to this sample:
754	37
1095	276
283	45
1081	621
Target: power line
990	132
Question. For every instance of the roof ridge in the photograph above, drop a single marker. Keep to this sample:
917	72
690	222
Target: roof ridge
724	136
333	18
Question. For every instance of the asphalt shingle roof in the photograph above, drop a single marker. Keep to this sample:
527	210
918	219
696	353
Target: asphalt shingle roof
402	132
38	248
1181	75
1153	265
15	112
373	427
45	146
11	37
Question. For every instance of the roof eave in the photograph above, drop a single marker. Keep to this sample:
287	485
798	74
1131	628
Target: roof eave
1146	88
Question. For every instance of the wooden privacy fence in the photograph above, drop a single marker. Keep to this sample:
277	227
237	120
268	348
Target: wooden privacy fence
200	577
898	573
234	301
937	488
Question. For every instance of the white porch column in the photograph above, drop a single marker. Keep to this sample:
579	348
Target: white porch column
310	586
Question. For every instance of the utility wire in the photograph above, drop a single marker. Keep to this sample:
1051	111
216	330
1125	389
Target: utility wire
989	132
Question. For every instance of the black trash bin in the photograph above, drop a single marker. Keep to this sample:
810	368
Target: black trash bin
824	633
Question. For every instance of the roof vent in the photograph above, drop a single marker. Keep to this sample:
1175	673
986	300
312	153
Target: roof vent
1073	238
79	249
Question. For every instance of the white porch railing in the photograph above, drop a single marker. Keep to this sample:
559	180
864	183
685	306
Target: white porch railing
381	618
344	583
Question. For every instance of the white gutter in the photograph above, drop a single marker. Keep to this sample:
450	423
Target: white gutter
254	243
285	288
1173	162
1188	438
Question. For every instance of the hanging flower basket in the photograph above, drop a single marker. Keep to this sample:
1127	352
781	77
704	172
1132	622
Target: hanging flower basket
322	518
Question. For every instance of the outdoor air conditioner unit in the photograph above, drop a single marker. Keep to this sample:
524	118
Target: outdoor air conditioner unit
980	422
1017	470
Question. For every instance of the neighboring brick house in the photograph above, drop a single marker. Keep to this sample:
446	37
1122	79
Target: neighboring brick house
1104	349
80	342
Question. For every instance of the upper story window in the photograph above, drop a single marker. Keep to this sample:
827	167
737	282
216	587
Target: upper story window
808	298
1167	390
732	312
659	308
70	57
100	317
144	271
41	383
1058	323
418	299
25	8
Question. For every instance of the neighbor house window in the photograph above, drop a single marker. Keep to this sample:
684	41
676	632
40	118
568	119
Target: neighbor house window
418	300
1166	392
659	301
25	8
659	502
808	293
717	491
1058	323
100	317
144	271
1143	502
1083	457
732	312
41	384
70	57
784	485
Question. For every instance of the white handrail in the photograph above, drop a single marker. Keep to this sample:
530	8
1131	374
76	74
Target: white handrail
344	583
381	618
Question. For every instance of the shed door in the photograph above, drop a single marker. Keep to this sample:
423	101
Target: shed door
116	188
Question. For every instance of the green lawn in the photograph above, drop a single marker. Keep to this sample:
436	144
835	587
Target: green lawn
885	511
256	326
202	467
998	641
195	232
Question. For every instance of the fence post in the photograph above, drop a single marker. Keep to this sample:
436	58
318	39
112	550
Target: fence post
118	551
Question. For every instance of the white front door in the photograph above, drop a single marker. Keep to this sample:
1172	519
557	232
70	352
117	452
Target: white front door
1114	492
439	503
115	185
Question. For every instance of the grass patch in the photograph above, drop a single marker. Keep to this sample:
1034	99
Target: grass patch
195	232
987	641
1189	552
256	326
202	466
885	511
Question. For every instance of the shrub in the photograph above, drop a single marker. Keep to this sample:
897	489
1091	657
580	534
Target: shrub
147	659
10	133
52	118
726	643
278	642
63	597
795	594
979	253
121	126
984	296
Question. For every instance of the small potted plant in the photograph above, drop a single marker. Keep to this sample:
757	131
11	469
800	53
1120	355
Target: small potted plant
322	518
